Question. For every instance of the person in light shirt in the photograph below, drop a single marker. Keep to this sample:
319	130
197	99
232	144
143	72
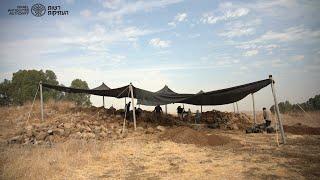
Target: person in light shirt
266	116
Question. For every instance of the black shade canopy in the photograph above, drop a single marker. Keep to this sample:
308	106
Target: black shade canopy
102	87
167	96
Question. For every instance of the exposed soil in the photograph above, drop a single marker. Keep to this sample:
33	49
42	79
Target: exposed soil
302	129
187	135
89	144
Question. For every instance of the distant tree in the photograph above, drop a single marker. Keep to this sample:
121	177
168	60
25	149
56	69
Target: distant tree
80	99
25	83
5	93
311	105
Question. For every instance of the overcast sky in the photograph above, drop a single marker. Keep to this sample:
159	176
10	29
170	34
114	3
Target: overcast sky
187	45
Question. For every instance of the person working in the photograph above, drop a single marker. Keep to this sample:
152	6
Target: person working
158	111
128	115
266	117
128	107
180	112
197	117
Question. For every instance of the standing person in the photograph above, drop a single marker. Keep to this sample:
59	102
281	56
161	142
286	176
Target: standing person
197	117
180	112
266	116
128	111
128	107
158	111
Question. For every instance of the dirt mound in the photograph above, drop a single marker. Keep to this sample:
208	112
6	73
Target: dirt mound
302	129
187	135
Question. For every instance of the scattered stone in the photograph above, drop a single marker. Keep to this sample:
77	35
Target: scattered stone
88	135
140	129
161	128
16	139
50	132
29	128
68	125
149	130
41	136
58	131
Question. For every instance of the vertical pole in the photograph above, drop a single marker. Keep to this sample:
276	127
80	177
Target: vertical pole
166	109
254	109
103	100
124	120
133	109
237	107
125	101
201	112
125	114
277	109
41	100
234	108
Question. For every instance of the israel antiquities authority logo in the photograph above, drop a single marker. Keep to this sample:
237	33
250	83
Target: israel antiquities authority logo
38	10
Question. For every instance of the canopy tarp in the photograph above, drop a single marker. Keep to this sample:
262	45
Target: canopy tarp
102	87
218	97
165	92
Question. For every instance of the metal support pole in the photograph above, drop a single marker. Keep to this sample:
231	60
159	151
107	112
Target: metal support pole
166	109
41	100
103	100
125	101
277	110
133	108
254	109
237	107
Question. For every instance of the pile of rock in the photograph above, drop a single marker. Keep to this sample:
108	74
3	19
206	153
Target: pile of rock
226	120
72	126
79	125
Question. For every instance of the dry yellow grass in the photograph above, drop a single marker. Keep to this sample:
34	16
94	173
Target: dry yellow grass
144	156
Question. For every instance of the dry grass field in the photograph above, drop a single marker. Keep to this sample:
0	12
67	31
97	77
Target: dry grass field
142	155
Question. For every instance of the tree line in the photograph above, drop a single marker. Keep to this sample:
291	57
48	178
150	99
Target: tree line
312	104
25	83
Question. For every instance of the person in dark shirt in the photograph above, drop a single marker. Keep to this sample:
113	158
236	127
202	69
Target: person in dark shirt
128	114
128	107
180	112
158	111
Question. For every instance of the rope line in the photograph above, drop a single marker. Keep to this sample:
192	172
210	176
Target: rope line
32	104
